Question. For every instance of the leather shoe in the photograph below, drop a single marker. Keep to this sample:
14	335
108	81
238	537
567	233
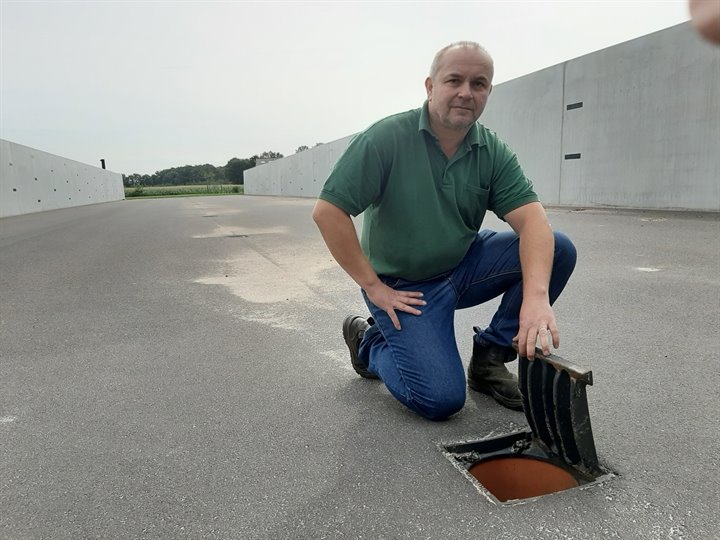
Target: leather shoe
487	374
354	328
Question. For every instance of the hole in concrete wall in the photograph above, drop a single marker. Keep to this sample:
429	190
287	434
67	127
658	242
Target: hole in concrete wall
10	164
38	200
577	105
572	156
36	179
14	189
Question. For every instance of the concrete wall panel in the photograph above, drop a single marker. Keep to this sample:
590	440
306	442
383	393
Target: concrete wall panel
35	181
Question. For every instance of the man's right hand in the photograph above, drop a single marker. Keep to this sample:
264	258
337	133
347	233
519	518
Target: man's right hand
389	300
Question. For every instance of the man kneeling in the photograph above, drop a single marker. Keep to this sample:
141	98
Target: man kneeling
425	179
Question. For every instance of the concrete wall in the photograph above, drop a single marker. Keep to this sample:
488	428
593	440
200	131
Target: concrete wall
299	175
647	132
34	181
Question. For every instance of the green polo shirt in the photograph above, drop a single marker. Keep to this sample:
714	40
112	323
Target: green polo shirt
423	210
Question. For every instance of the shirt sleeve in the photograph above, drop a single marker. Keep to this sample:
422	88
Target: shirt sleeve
357	178
509	188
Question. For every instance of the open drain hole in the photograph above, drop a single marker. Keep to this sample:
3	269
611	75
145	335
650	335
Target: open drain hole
516	467
512	478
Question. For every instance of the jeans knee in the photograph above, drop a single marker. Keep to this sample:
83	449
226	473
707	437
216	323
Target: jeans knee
441	407
565	252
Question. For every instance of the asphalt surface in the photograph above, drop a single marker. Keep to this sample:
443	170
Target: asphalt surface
174	368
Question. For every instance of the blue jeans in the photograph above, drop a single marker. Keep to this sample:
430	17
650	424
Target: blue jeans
421	365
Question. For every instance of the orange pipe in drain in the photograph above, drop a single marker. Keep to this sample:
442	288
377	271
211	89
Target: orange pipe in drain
521	477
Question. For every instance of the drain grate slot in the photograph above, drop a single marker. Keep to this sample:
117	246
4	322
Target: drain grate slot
562	417
548	392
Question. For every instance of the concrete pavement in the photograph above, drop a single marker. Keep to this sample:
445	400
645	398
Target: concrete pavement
174	368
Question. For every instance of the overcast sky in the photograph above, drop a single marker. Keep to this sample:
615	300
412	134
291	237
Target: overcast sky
149	85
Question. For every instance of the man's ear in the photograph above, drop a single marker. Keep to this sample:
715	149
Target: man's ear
428	87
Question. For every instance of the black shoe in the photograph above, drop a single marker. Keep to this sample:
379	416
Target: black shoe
354	328
487	374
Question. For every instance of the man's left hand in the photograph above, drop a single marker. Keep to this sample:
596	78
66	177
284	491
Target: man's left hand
537	322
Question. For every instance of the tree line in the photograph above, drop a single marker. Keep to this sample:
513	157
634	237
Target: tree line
230	173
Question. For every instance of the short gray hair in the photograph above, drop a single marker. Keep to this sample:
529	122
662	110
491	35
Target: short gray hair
435	66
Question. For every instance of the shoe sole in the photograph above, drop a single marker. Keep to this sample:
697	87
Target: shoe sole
357	365
515	405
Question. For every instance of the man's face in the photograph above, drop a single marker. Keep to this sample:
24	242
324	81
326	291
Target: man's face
458	92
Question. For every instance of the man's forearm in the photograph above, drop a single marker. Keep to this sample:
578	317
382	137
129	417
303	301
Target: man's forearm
338	231
537	246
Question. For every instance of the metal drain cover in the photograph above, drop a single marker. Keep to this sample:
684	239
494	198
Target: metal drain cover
555	404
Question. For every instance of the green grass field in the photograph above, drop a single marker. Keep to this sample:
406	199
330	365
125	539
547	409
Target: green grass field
183	191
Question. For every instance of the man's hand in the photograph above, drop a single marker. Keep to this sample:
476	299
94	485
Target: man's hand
537	321
705	16
389	300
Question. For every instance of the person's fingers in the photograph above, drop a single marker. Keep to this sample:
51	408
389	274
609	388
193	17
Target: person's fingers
413	301
394	318
407	309
405	300
522	342
555	335
409	297
530	343
544	336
